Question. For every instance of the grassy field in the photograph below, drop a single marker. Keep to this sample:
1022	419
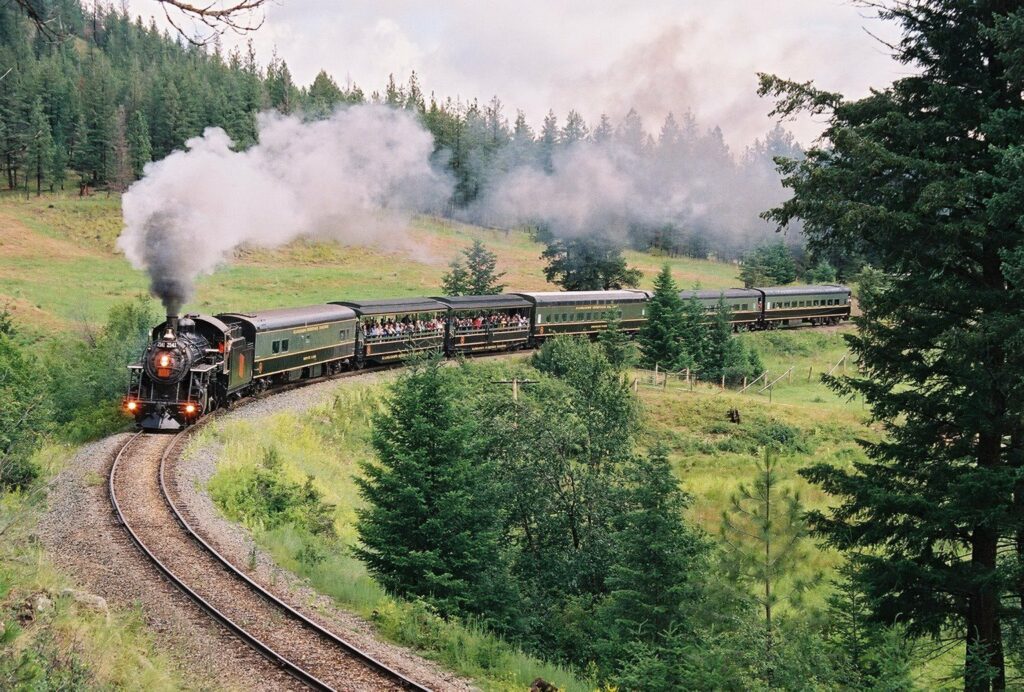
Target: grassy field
59	265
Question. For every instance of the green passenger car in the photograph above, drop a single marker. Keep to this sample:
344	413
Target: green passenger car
292	343
586	312
744	304
794	305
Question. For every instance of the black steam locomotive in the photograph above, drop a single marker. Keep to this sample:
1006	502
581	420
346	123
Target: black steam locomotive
198	363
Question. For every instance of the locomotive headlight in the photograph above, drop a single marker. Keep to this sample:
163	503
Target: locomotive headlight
165	360
132	405
190	408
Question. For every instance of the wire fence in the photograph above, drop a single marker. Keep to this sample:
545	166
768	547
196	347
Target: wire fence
764	384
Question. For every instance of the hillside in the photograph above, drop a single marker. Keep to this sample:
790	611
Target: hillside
59	265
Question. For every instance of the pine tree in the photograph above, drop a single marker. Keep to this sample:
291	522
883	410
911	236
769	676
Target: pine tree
40	146
618	348
455	282
603	132
548	141
659	337
763	533
926	176
575	129
431	525
769	265
119	173
693	334
140	149
660	562
481	264
590	263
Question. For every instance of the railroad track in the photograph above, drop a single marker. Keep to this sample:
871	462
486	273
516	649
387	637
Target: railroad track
143	502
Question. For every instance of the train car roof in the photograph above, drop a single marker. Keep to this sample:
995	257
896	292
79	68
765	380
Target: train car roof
804	290
390	306
284	318
501	301
705	294
569	297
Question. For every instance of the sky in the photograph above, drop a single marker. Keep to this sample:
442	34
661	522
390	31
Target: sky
597	56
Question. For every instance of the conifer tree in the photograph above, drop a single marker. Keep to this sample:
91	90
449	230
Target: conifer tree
763	533
431	526
455	282
481	264
660	336
40	146
618	348
926	175
660	562
139	146
119	173
693	334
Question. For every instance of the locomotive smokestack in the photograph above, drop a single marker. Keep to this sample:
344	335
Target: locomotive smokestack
172	325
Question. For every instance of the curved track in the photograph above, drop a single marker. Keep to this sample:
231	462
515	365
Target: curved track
143	503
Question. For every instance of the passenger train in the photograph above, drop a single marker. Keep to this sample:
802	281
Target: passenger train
195	364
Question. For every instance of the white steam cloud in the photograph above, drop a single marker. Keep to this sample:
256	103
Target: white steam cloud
689	188
354	177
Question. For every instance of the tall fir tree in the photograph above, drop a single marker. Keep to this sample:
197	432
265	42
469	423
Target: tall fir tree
40	147
139	147
482	265
659	337
926	175
431	525
590	263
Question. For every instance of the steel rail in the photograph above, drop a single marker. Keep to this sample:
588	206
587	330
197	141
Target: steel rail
352	649
251	640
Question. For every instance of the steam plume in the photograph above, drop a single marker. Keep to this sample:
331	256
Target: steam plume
355	177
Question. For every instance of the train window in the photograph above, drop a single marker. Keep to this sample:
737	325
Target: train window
284	345
276	347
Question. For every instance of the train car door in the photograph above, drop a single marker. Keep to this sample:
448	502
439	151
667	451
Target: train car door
241	364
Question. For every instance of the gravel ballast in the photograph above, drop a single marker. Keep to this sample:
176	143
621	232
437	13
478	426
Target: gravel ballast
84	538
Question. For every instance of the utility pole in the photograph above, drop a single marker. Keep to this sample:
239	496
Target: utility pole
515	382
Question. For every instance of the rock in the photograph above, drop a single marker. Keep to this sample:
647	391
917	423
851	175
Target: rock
41	603
84	598
542	685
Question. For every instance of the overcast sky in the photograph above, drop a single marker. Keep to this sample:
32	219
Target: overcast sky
593	55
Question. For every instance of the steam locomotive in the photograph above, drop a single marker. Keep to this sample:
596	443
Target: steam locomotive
195	364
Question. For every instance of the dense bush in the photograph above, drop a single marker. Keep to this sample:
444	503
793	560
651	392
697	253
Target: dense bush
24	412
88	375
263	497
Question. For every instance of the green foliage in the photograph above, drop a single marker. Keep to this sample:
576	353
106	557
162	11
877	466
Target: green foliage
431	528
588	263
88	376
821	273
477	276
660	564
940	497
660	337
263	497
24	414
723	355
763	535
455	281
769	265
867	655
618	347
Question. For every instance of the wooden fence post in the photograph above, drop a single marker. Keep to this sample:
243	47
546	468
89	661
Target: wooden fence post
723	382
809	368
